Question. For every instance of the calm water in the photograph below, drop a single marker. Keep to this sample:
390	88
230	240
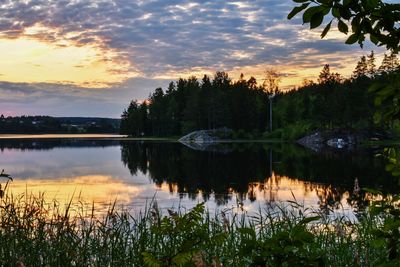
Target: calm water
236	175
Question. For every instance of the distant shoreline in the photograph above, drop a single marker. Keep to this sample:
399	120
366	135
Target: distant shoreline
56	136
118	137
121	137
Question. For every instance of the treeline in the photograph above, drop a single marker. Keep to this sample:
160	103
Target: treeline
243	105
190	104
47	124
334	102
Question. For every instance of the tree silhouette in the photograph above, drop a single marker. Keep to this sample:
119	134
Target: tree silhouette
361	68
371	64
242	105
389	63
326	77
272	78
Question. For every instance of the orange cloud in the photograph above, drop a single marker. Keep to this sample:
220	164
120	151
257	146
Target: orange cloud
41	55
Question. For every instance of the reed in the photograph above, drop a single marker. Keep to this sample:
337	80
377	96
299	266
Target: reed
36	233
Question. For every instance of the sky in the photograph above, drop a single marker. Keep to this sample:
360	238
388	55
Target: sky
92	57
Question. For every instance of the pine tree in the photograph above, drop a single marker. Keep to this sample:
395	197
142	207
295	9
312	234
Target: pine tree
385	65
394	62
326	77
371	64
143	119
324	74
389	64
361	69
171	88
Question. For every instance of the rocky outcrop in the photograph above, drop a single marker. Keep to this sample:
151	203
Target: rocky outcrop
314	141
338	139
207	140
206	136
202	136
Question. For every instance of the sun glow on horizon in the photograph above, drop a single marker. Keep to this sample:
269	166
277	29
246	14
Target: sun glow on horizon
33	58
97	189
46	55
293	76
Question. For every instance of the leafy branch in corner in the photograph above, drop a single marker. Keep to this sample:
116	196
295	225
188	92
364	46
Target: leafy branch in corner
375	18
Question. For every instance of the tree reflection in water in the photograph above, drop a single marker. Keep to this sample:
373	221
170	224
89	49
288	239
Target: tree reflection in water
252	170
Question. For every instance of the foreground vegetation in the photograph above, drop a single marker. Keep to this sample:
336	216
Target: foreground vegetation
33	233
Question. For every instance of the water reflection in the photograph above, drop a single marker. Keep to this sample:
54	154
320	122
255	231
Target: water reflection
239	175
198	171
47	144
258	167
102	190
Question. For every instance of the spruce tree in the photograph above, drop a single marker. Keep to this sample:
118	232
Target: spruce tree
361	69
326	77
371	64
389	64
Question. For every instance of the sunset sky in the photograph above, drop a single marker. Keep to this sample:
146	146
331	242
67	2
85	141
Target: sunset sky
90	58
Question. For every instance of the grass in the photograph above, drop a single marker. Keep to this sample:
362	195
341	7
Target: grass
35	233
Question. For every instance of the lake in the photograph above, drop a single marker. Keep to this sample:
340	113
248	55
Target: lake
239	176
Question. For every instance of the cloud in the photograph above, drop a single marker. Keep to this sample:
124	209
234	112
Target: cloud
72	100
162	36
162	39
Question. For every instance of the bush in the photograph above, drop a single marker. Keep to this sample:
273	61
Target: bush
290	132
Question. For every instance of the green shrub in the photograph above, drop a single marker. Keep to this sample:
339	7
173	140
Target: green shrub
290	132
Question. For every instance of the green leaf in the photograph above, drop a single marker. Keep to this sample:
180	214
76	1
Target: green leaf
343	27
345	13
346	2
316	20
374	39
373	3
296	10
396	173
302	235
335	12
375	87
291	249
150	260
355	23
248	231
182	258
219	238
352	39
309	219
300	1
369	4
378	243
326	10
389	167
310	12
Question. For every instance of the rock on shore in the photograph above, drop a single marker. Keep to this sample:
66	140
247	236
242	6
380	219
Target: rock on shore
338	139
206	136
207	140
